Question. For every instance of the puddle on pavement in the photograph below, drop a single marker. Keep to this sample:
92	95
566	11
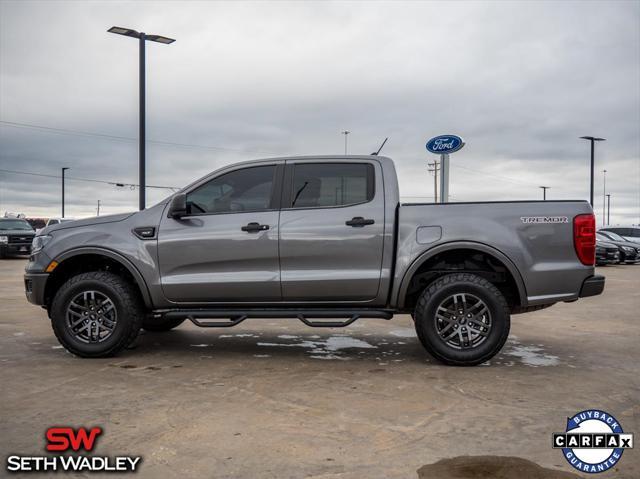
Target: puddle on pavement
529	355
494	467
323	348
404	333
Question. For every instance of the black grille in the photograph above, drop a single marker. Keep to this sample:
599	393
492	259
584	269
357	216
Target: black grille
26	239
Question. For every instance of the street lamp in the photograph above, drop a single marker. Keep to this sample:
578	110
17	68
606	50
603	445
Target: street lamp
63	170
608	208
128	32
604	193
544	192
592	139
345	133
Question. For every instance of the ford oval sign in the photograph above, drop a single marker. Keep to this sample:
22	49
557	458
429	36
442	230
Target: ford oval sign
444	144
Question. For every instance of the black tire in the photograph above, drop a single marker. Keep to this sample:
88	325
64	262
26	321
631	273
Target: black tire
161	324
125	299
437	294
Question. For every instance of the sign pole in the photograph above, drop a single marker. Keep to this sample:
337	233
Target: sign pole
444	178
444	145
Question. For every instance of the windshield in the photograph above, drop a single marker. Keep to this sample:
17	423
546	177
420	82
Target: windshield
15	225
613	236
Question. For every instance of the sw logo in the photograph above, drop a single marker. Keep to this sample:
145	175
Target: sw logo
593	441
69	440
65	438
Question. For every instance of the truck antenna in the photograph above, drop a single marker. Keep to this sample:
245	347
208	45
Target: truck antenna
376	153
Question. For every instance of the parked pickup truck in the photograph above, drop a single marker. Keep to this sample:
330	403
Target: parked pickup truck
16	236
322	239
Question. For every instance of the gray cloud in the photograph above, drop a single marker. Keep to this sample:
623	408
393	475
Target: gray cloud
520	81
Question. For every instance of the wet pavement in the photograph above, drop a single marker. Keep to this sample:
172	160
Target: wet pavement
276	399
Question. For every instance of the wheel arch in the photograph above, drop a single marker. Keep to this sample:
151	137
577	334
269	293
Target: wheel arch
467	246
69	264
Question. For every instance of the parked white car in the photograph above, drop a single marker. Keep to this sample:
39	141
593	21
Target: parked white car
55	221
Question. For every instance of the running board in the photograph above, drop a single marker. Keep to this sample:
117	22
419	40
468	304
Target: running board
236	316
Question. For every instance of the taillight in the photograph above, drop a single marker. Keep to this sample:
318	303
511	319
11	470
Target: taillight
584	238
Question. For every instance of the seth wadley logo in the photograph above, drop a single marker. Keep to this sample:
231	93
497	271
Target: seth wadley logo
593	441
67	439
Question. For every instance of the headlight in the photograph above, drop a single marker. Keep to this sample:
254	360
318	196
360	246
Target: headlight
628	249
39	242
4	239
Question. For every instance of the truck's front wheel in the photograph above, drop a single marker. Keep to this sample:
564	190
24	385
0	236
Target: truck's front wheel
96	314
462	319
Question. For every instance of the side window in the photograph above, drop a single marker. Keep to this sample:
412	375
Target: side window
248	189
331	184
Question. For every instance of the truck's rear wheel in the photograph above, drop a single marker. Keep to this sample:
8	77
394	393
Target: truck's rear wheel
462	319
96	314
161	324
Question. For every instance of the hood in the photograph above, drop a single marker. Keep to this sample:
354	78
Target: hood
17	232
629	244
605	244
96	220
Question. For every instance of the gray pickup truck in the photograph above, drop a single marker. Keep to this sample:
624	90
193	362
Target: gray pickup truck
322	239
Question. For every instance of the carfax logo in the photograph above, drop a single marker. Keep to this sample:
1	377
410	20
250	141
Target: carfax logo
67	439
593	441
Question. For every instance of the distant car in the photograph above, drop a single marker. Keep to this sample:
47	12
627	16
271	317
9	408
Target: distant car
629	251
55	221
16	236
630	233
606	253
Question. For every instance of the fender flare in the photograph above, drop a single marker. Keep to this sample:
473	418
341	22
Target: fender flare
128	265
481	247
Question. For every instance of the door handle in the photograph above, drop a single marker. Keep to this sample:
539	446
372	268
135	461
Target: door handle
254	227
359	222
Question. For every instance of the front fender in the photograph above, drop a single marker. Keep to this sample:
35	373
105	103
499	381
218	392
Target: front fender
137	276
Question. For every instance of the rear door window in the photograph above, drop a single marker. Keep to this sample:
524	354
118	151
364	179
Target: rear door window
325	185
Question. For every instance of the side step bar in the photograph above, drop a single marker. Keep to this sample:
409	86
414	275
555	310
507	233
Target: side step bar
236	316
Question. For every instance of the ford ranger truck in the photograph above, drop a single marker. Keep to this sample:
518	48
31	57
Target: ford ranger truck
321	239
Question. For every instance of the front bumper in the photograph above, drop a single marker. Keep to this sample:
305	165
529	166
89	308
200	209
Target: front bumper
592	286
15	248
34	285
607	257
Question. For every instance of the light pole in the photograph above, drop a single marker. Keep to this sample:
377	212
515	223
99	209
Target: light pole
63	170
142	37
544	192
345	133
592	139
604	193
608	208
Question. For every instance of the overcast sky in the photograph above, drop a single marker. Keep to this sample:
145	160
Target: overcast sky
519	81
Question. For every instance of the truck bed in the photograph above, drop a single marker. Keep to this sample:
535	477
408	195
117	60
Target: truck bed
534	237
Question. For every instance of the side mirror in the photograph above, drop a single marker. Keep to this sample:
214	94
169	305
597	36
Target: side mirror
178	206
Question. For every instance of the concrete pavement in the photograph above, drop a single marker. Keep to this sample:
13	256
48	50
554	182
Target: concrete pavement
275	399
